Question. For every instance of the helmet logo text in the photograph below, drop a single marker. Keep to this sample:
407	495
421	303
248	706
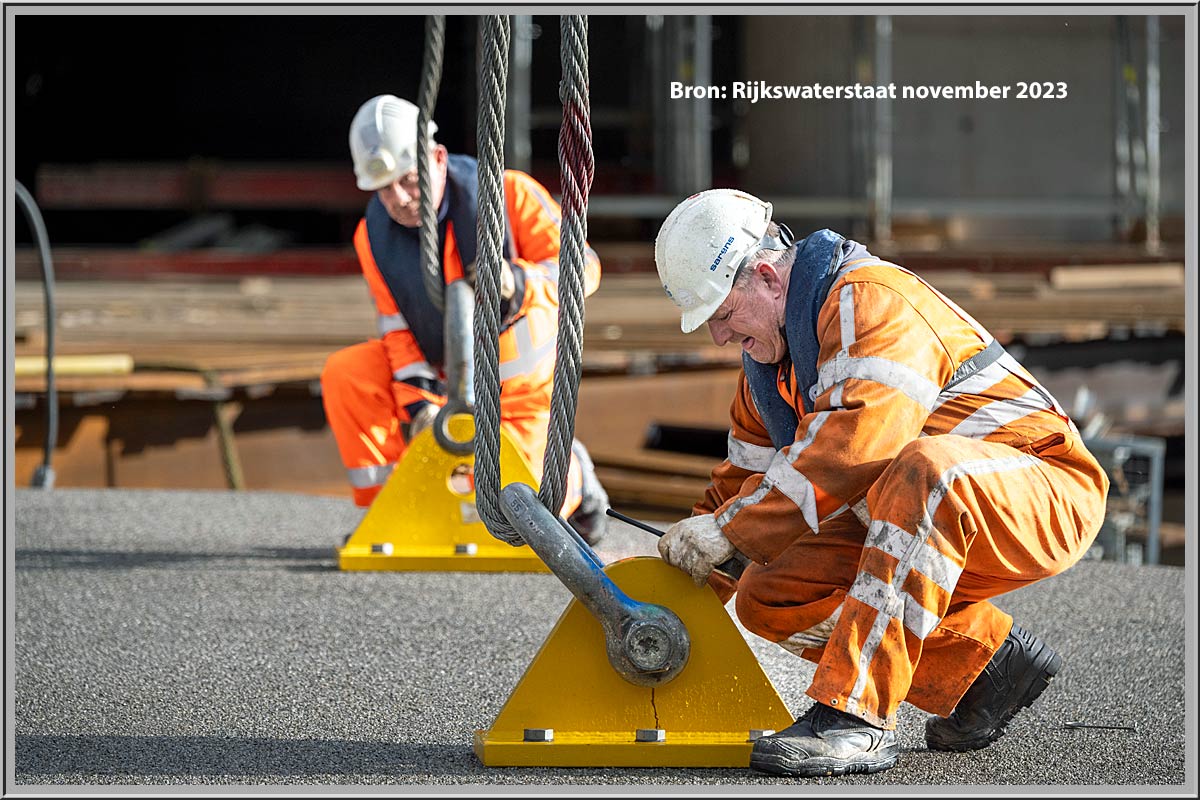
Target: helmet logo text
713	266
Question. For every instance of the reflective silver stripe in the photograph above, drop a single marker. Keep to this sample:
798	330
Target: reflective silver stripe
551	267
980	382
843	367
843	508
528	356
891	604
753	457
1014	367
794	485
846	305
794	449
859	510
995	415
877	594
417	369
906	565
780	461
796	488
386	323
835	399
917	618
896	542
366	477
744	502
816	636
990	354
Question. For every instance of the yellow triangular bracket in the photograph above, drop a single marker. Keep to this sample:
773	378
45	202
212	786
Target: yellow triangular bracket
571	695
425	519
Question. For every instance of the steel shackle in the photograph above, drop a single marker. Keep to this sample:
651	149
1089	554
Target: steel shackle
647	644
460	366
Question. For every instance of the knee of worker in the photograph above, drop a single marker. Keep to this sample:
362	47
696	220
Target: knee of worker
753	609
337	372
767	604
913	472
350	368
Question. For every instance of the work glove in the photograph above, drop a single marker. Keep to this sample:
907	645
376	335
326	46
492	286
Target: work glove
508	284
696	545
422	420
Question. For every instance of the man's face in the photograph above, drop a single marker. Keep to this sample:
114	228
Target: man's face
752	316
402	196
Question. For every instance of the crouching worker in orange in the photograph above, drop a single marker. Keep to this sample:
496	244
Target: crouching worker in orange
890	469
380	394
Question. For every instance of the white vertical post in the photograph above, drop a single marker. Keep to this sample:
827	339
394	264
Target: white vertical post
518	150
883	132
1153	179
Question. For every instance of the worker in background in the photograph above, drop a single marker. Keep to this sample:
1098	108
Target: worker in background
890	469
380	394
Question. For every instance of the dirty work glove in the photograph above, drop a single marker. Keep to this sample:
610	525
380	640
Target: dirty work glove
695	545
422	420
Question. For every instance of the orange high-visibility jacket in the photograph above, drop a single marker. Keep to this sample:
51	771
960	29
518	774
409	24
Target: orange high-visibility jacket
527	344
888	345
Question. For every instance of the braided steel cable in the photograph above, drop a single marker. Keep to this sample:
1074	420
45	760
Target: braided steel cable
493	74
576	168
431	78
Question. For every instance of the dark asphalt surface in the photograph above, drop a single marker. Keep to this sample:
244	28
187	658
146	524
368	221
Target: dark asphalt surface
204	638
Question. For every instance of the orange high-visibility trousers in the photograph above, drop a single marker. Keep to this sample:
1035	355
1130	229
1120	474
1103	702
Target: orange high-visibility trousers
898	610
365	407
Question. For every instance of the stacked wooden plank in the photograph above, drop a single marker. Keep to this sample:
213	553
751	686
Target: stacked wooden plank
192	336
629	312
1072	304
274	329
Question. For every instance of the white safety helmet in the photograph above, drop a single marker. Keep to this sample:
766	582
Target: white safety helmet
383	141
702	244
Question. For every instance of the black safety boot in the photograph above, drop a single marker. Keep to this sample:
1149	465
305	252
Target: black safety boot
1019	671
589	519
825	741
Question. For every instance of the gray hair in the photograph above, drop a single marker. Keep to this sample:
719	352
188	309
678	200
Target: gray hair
780	259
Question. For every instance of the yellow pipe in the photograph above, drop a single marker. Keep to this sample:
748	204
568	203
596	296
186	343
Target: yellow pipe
98	364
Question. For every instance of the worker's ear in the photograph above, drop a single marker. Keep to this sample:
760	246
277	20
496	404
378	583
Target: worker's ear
765	271
440	155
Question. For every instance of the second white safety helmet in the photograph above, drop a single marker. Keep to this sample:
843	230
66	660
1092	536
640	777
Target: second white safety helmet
383	141
701	245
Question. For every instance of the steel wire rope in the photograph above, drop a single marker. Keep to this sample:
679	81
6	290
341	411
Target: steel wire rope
577	168
493	73
431	78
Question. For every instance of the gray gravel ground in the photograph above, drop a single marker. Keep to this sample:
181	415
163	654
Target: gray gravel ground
201	638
